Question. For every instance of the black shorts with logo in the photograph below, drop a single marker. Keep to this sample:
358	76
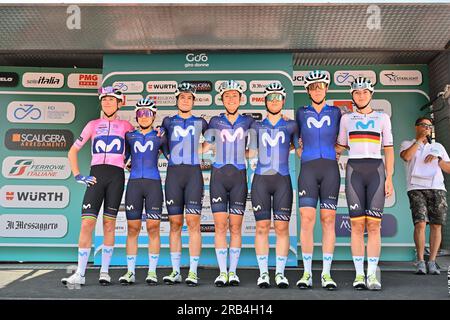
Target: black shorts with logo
228	189
266	187
108	190
140	191
184	189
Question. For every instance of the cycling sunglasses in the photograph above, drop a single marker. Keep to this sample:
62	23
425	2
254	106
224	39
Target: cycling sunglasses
274	96
144	113
317	85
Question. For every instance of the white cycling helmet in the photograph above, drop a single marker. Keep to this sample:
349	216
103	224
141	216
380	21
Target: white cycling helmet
275	87
316	76
230	85
185	87
362	83
146	103
109	91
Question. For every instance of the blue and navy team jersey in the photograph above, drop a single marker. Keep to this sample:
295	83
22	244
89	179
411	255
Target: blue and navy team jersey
230	140
183	137
144	151
273	143
318	131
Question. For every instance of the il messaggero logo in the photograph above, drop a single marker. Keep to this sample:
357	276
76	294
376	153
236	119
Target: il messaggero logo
9	79
196	60
38	139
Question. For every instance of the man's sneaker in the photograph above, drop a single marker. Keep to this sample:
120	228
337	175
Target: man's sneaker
421	268
360	282
264	280
174	277
221	280
127	278
372	282
192	279
152	279
104	279
233	279
305	282
328	283
74	279
281	281
433	268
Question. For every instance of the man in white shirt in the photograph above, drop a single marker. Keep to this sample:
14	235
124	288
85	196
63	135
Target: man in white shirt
424	161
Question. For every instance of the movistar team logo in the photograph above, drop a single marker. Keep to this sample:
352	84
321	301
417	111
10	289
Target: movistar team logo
226	135
179	131
215	200
143	148
365	126
102	145
258	207
267	139
318	124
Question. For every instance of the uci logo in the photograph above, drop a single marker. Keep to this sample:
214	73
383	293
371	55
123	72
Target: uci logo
191	57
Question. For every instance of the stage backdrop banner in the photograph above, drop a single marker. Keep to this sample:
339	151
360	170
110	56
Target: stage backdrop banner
157	76
43	111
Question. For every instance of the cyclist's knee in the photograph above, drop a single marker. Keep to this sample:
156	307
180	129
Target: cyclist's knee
236	229
281	228
328	221
221	228
153	229
373	226
358	227
262	229
109	226
133	230
88	225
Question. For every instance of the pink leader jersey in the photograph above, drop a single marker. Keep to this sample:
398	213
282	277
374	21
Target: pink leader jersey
108	141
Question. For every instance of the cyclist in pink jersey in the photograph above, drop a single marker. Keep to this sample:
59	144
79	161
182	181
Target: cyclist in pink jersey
105	183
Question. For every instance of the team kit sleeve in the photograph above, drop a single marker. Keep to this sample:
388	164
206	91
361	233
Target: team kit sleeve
388	139
298	121
294	134
165	143
85	135
209	134
204	126
130	127
127	147
342	139
253	136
